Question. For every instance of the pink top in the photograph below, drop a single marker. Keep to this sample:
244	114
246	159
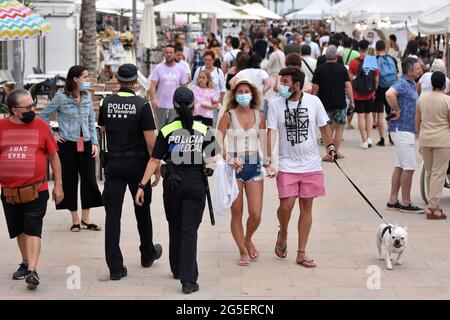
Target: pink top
203	96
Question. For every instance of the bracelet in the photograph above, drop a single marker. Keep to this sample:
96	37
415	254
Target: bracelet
142	186
330	147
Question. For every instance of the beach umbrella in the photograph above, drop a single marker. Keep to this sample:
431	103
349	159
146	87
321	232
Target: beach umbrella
18	22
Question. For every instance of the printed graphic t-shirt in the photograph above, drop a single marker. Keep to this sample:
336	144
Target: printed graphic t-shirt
298	148
169	79
23	153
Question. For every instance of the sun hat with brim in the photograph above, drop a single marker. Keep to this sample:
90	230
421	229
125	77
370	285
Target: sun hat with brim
243	81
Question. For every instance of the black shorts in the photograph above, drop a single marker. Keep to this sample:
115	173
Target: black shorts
26	218
380	104
364	106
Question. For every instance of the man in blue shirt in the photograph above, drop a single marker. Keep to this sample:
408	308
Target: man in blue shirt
402	97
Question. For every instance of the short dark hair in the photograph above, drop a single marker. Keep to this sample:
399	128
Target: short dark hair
334	42
363	45
178	48
260	35
393	37
296	74
254	62
13	96
305	50
438	80
293	59
74	72
348	42
235	43
380	45
408	64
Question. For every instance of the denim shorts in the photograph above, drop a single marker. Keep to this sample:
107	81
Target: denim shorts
252	169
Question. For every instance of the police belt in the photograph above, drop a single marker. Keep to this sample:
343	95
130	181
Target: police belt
127	154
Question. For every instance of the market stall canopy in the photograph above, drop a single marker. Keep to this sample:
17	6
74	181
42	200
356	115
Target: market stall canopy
18	22
317	10
259	10
398	10
116	6
147	37
196	6
232	12
436	20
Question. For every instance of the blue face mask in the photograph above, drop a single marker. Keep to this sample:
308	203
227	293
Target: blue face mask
308	39
244	99
284	92
85	86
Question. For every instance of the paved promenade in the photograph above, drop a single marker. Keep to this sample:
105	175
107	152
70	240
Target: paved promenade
342	244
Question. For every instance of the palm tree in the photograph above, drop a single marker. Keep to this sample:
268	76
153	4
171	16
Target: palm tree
89	40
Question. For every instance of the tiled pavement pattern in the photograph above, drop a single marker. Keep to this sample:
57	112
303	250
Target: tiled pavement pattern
342	243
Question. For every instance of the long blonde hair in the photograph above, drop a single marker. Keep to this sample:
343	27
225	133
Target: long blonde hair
209	82
256	97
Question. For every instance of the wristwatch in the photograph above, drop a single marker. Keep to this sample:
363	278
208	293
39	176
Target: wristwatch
142	186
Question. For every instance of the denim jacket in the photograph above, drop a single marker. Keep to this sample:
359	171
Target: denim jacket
72	117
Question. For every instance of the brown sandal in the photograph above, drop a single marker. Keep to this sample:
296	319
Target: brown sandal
431	215
307	263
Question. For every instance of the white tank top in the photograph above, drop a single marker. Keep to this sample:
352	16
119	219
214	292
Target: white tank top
241	140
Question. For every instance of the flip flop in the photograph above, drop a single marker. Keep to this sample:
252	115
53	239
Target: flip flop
307	263
283	249
243	263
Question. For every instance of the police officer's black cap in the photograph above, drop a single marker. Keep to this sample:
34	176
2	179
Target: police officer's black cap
127	73
183	96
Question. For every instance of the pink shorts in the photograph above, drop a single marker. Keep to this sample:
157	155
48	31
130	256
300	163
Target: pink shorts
301	185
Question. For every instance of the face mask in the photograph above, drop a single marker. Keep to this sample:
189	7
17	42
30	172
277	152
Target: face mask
244	99
284	92
201	46
85	86
27	117
308	39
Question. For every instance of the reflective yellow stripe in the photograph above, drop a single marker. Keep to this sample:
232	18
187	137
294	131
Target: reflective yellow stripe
200	127
171	127
125	94
176	125
101	103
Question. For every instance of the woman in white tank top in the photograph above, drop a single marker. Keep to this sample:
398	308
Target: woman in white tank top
244	126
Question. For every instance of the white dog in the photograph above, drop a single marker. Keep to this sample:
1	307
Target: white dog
391	239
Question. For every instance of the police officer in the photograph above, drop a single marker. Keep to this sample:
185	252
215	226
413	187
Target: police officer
181	144
129	126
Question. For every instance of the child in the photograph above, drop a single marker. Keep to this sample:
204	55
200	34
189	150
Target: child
205	98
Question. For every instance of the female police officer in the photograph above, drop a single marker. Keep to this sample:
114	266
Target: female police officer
181	144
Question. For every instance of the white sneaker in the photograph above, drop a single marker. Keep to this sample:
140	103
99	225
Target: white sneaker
369	142
364	145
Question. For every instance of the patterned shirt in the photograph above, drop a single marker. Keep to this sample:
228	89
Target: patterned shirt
407	100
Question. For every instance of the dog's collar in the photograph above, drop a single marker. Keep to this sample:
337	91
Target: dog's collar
386	229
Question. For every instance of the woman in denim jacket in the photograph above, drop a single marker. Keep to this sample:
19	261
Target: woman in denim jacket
77	145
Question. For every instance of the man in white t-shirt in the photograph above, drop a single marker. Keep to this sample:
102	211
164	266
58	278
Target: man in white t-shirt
296	116
181	59
315	50
229	59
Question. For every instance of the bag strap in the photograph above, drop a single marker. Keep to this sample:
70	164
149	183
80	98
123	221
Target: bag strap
307	65
348	57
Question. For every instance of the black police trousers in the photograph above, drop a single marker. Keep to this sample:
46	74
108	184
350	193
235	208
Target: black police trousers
119	173
184	208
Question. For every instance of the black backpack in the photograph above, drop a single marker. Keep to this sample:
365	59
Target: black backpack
364	83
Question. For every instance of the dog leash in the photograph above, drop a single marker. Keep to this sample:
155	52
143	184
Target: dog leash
361	193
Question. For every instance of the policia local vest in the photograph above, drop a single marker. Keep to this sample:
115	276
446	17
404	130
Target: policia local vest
122	119
181	146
